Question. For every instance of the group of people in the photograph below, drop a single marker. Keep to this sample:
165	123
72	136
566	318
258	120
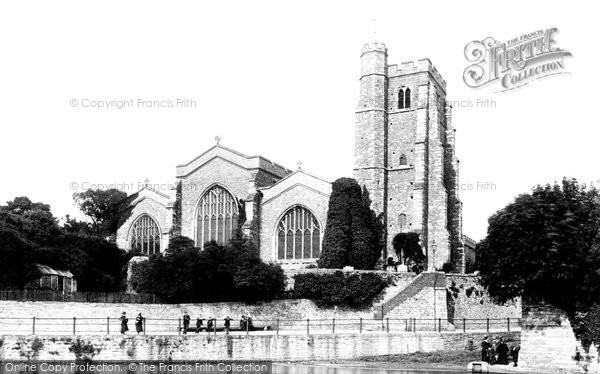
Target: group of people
211	323
139	323
497	352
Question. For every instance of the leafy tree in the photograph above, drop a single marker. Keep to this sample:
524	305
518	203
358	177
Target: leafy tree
30	234
407	247
218	273
352	235
180	243
34	220
108	209
73	226
546	244
16	259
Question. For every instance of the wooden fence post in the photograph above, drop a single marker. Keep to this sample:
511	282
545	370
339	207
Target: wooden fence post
508	324
74	319
360	326
333	326
488	325
308	327
107	325
33	327
387	322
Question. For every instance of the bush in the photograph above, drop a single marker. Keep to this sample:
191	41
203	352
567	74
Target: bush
219	273
339	288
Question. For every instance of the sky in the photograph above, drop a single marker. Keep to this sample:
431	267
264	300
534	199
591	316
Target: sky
275	78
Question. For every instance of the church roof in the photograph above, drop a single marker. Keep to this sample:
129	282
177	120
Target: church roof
248	162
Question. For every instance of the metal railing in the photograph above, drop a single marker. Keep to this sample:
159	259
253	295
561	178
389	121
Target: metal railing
82	297
170	326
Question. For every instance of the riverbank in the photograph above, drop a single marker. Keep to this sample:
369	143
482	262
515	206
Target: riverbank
421	361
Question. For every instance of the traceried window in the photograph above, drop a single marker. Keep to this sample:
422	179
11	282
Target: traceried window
145	236
217	217
298	235
404	98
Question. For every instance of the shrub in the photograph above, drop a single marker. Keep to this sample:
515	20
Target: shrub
219	273
339	288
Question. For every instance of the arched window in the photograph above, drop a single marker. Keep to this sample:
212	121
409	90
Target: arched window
403	160
401	99
404	98
217	217
298	235
145	236
401	222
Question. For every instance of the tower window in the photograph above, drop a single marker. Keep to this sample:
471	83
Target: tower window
403	160
401	221
404	98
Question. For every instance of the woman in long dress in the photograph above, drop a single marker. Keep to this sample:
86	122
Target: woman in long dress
139	323
124	320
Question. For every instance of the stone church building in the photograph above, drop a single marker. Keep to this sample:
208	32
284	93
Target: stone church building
404	155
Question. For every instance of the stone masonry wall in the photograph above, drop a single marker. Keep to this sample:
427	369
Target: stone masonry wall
468	299
226	347
549	344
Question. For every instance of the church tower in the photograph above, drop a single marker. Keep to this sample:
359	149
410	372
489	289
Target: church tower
404	154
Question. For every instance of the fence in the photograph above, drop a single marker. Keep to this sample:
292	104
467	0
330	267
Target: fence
157	326
82	297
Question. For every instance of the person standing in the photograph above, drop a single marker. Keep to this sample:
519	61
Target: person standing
502	350
227	324
124	320
139	323
243	323
209	324
485	346
514	352
199	322
186	322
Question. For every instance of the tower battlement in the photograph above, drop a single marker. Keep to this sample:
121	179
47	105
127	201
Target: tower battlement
422	65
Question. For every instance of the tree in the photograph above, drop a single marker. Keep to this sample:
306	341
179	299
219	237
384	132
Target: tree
108	209
545	245
407	248
218	273
180	243
30	234
16	259
34	220
351	234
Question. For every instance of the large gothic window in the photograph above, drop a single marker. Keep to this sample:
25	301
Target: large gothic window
217	217
298	235
145	236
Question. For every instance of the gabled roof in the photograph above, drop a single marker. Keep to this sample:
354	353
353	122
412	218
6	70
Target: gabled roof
47	270
235	157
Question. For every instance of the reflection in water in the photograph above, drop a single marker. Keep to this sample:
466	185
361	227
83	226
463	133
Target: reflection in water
301	369
206	367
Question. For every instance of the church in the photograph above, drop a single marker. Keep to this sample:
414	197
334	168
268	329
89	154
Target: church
404	155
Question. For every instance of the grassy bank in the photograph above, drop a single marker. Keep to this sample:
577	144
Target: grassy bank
449	360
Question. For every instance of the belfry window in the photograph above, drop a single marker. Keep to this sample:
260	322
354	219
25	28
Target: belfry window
403	160
298	235
145	236
404	98
217	217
